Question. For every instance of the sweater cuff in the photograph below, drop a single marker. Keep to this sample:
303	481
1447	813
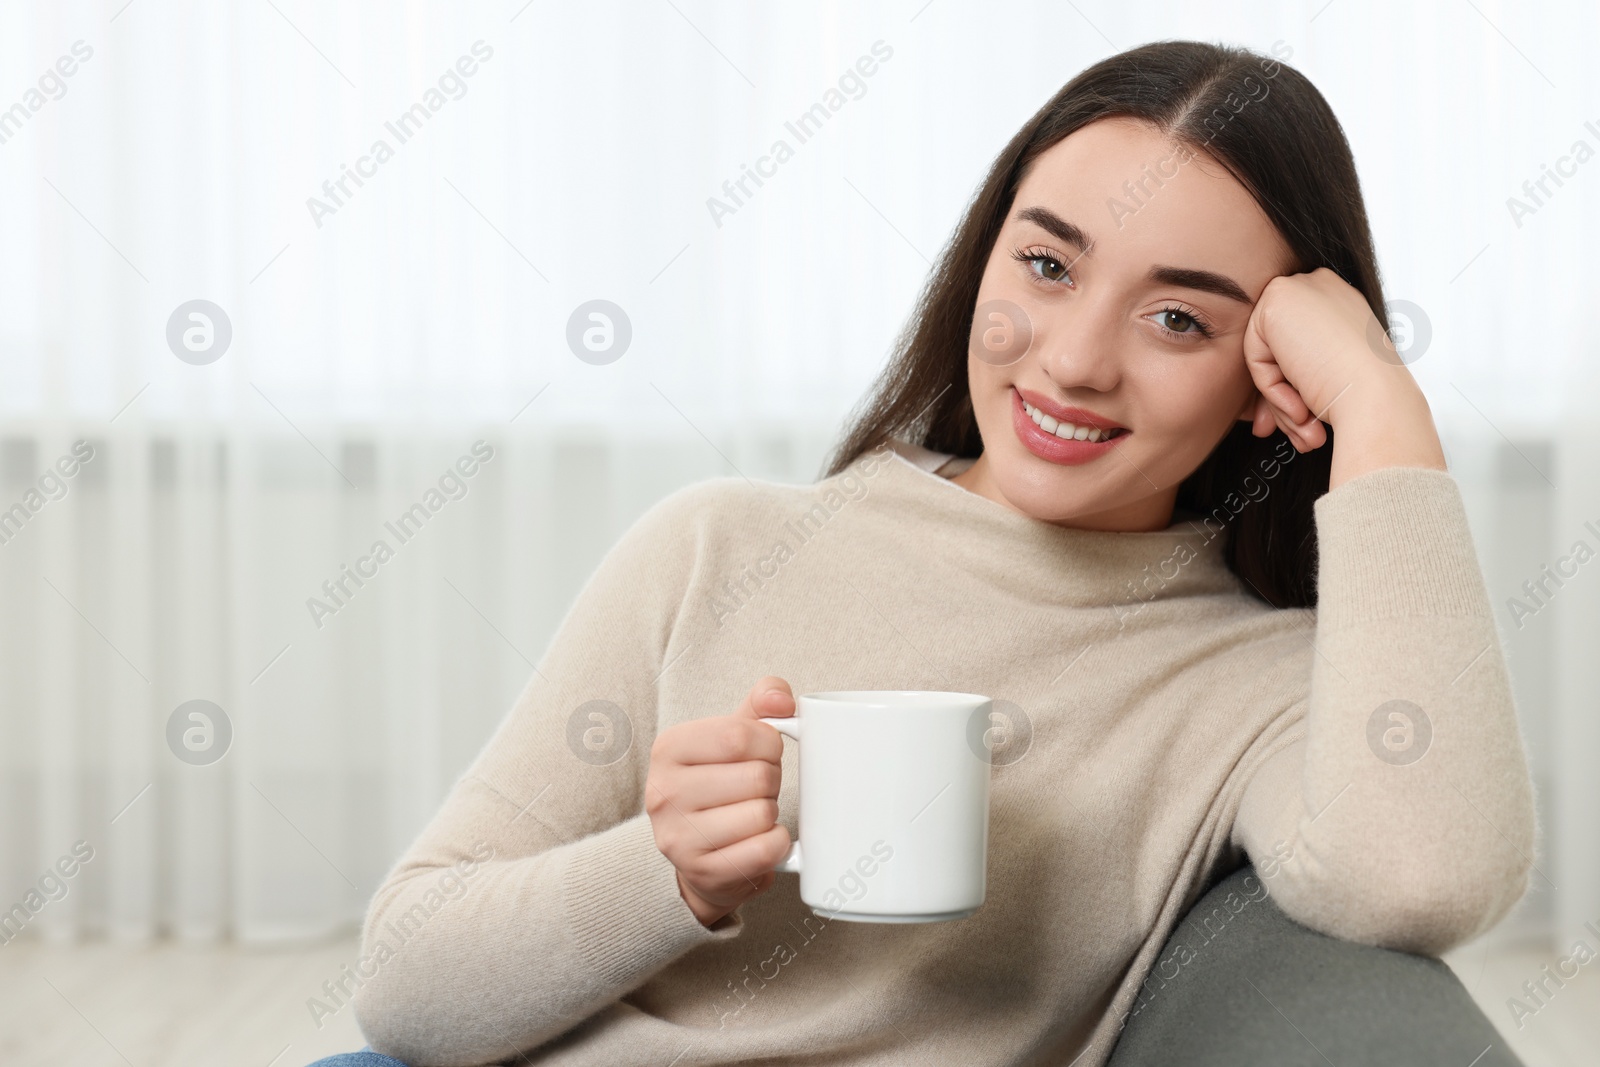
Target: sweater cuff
624	908
1394	542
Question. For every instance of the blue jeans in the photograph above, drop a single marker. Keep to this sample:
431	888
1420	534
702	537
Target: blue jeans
365	1058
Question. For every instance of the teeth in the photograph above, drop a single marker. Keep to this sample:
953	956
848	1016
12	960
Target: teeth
1065	430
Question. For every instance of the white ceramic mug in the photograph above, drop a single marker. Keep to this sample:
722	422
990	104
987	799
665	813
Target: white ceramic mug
894	804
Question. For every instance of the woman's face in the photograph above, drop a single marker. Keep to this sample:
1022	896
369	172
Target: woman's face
1137	295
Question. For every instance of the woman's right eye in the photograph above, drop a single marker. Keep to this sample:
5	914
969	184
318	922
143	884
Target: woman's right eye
1049	268
1044	266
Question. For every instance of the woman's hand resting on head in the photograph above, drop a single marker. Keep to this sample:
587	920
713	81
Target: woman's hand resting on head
712	797
1317	353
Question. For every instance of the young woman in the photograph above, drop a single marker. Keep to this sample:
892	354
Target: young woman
1099	482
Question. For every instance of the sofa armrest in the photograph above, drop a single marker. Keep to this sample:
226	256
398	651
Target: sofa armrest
1240	984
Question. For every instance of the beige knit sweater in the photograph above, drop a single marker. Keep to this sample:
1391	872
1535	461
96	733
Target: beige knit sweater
1161	725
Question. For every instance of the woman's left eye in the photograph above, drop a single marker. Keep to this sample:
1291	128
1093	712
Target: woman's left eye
1181	323
1048	268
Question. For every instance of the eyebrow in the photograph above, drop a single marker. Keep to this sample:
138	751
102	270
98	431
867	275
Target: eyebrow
1204	281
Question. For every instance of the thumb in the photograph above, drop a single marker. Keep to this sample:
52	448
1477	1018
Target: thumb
770	697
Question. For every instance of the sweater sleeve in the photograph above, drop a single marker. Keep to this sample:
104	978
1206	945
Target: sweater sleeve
536	895
1402	813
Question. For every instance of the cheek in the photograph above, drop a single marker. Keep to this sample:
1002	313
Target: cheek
1006	279
990	387
1199	399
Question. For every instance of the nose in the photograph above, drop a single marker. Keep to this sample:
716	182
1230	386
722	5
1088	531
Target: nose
1080	344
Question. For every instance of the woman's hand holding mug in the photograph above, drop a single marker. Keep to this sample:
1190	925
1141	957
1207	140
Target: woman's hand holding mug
712	797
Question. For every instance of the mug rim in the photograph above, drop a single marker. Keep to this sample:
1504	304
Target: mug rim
892	699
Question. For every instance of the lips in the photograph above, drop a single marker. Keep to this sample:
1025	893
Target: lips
1076	416
1048	446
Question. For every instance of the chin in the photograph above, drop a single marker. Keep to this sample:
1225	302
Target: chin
1038	488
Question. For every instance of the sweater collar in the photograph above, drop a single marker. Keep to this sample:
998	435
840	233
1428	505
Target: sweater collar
1088	567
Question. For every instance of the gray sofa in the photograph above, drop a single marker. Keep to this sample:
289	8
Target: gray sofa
1247	986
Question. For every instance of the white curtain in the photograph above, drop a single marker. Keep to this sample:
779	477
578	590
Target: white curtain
556	155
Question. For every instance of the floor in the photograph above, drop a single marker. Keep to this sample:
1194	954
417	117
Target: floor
1563	1030
102	1005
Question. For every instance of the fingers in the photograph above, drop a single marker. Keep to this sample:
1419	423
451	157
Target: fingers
693	833
712	796
1290	414
771	696
713	785
1263	423
1302	427
733	738
738	868
1287	399
1281	405
719	739
731	890
1287	407
1267	416
1304	436
1315	434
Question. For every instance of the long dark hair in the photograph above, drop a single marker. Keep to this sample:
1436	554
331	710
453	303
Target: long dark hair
1276	135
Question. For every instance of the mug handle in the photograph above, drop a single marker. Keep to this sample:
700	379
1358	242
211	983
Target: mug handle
788	726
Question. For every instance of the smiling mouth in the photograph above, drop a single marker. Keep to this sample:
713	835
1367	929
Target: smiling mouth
1063	444
1068	431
